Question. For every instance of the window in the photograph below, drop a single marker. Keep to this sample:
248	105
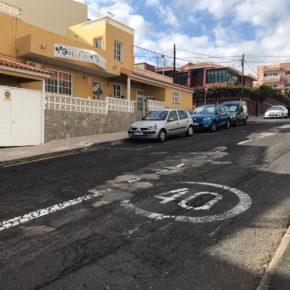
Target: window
173	115
59	83
118	51
176	97
99	43
182	115
117	90
287	72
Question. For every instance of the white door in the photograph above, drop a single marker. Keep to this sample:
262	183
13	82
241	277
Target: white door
5	118
21	117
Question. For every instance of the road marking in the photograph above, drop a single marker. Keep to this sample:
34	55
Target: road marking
4	225
180	165
206	206
244	204
135	149
266	134
243	142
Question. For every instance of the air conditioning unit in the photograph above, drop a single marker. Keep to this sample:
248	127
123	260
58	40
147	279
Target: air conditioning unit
34	64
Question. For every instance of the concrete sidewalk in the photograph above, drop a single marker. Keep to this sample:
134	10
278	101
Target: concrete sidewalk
16	154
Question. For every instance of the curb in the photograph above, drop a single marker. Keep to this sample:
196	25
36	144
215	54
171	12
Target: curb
51	155
273	265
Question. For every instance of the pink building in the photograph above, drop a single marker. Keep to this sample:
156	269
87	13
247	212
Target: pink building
276	76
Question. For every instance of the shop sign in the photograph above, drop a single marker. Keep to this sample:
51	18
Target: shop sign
75	53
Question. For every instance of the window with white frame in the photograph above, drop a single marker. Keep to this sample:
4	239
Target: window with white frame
59	83
176	97
99	43
117	90
118	51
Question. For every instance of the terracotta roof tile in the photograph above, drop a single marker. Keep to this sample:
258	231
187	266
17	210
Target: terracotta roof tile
22	66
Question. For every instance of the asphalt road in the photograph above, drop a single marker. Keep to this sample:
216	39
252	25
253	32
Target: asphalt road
205	212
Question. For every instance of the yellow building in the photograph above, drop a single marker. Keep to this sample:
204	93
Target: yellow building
92	60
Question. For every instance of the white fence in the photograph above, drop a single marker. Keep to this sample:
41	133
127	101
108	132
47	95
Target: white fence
73	104
120	105
155	105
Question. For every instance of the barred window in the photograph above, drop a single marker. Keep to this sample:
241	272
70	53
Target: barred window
59	83
176	97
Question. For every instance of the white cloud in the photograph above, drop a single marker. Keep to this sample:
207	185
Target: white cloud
152	2
168	17
261	14
267	23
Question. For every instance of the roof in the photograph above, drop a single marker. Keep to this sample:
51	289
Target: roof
166	68
22	66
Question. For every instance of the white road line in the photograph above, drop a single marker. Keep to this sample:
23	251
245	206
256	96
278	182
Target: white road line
180	165
246	141
4	225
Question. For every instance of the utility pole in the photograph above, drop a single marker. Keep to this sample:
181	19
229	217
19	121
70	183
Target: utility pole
174	63
243	70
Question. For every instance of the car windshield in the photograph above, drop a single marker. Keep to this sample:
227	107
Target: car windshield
232	108
275	108
156	116
204	110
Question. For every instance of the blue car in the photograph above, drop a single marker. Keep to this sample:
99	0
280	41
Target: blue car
211	117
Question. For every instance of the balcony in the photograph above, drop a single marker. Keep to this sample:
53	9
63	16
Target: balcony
272	78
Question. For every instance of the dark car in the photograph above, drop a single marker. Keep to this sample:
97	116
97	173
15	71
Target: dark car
238	112
211	117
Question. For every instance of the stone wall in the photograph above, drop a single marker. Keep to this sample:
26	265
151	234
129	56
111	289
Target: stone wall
59	125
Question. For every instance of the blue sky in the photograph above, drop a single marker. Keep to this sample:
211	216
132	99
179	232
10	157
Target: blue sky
205	30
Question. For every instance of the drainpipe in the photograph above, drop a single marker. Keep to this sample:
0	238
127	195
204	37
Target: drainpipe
42	111
129	93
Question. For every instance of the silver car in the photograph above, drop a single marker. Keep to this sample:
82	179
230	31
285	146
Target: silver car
276	112
161	124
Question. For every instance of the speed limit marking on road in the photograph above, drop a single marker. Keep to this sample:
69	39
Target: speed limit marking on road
244	203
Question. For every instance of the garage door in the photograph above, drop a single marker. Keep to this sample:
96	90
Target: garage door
20	117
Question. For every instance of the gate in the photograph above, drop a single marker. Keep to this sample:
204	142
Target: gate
20	117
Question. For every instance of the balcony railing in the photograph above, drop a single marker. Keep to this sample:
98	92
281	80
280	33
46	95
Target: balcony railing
271	78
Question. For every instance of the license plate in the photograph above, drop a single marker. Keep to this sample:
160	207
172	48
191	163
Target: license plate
138	133
195	124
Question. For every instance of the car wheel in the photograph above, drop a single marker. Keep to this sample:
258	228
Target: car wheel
245	121
189	131
213	126
228	124
162	135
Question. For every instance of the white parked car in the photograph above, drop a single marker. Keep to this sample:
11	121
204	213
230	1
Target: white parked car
276	112
161	124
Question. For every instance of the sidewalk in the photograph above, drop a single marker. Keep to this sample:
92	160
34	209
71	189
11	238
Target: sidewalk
17	154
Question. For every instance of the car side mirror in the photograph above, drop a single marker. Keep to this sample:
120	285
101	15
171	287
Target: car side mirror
170	119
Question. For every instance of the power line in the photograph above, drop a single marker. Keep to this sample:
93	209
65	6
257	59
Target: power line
251	68
210	56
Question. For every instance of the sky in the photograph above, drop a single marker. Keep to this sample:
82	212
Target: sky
219	31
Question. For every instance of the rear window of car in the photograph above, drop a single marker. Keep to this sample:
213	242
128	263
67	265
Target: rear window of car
182	115
232	108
